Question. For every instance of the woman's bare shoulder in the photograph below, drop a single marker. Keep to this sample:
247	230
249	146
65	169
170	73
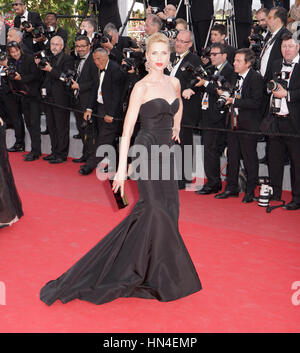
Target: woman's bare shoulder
175	82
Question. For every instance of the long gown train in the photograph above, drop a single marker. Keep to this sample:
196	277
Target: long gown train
144	256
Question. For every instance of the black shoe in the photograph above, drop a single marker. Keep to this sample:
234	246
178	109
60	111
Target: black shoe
85	170
292	206
45	132
181	184
57	160
17	147
31	157
248	198
226	194
79	160
76	137
49	158
206	190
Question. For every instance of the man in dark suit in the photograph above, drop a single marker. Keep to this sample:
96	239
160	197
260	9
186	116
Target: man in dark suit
3	33
22	14
287	121
191	96
26	82
212	117
245	114
109	12
269	4
58	120
106	97
243	20
202	12
87	74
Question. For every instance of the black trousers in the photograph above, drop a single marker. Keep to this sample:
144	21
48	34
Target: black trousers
107	134
32	117
213	142
14	108
87	151
243	32
242	146
58	123
276	158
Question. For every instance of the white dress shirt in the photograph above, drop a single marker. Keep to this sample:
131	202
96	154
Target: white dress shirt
99	96
175	68
264	59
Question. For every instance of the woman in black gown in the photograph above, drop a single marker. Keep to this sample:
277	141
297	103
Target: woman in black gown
144	256
10	204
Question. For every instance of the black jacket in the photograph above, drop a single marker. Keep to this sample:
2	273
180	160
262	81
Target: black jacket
31	76
112	90
35	19
56	89
212	117
191	107
88	77
275	53
293	101
109	12
243	11
202	10
250	103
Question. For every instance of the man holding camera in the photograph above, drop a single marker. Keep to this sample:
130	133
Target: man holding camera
87	73
24	80
245	114
54	91
214	116
27	21
106	101
286	91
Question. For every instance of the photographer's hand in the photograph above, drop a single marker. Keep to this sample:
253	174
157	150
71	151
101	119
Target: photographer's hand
87	115
108	119
30	29
201	82
75	85
229	101
281	93
17	77
47	68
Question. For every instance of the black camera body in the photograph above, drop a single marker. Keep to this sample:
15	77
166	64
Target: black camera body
38	32
196	71
155	10
279	78
11	71
26	24
44	59
67	77
3	55
132	59
205	52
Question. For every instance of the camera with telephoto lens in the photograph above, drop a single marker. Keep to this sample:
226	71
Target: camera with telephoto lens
170	30
43	57
11	71
205	53
196	71
81	32
50	32
38	32
26	24
67	77
265	193
279	78
220	83
132	59
258	38
2	71
154	10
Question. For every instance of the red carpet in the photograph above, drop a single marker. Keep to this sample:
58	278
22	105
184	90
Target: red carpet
247	260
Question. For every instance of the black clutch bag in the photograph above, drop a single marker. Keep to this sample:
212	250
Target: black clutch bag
122	202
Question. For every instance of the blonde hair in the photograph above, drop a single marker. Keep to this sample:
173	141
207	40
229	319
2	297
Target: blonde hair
157	38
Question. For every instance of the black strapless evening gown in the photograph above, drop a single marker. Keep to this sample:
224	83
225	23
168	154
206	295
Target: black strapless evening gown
144	256
10	203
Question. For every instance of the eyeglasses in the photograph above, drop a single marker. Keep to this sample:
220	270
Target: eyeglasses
17	4
183	41
81	46
214	54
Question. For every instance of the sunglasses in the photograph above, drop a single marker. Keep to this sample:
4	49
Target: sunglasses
17	4
13	44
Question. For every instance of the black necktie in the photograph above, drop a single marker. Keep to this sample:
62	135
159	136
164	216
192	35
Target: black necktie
287	64
176	61
102	71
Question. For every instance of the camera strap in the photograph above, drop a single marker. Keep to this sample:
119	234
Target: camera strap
269	209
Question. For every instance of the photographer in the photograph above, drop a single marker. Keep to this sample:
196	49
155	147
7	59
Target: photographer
106	100
245	114
115	44
183	62
16	35
50	30
24	80
216	92
217	35
90	26
285	110
87	73
27	21
54	91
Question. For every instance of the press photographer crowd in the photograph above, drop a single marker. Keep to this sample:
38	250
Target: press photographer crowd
236	96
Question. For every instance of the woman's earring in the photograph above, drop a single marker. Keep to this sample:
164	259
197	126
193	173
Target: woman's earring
147	66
